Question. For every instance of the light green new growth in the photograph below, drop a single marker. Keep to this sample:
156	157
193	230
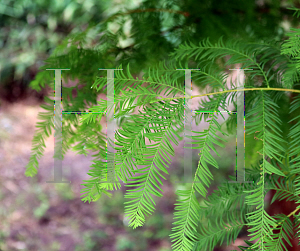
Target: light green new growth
160	120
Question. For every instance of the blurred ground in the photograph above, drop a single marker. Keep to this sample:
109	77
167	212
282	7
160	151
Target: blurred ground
35	215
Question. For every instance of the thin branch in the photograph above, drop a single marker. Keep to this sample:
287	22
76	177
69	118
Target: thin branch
235	90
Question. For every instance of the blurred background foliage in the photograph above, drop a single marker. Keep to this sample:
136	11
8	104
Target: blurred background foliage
85	35
30	30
